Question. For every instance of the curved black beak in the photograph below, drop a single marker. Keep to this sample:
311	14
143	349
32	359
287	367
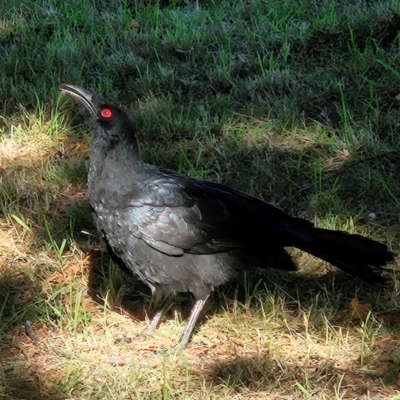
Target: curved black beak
83	96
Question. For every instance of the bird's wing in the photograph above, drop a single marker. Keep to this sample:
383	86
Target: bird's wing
175	214
169	218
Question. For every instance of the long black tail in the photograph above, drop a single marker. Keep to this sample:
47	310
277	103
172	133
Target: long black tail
354	254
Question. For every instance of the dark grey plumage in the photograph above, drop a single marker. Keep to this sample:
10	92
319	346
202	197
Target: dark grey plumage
180	234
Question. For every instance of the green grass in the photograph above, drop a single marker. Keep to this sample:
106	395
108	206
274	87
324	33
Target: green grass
293	102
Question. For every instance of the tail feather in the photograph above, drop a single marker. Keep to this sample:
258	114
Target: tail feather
354	254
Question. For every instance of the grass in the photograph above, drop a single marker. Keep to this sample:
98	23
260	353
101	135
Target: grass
290	101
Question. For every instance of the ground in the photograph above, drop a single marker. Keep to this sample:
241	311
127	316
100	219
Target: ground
293	102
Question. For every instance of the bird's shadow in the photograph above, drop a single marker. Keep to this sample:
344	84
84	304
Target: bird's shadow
257	373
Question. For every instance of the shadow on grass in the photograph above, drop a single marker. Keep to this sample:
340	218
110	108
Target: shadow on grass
258	373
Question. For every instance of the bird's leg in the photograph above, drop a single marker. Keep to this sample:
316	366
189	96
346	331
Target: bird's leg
194	316
160	313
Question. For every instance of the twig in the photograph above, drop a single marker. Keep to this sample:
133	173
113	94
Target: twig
30	333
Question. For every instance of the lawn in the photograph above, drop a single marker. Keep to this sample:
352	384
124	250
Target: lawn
290	101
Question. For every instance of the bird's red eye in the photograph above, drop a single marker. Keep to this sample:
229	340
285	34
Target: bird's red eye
106	113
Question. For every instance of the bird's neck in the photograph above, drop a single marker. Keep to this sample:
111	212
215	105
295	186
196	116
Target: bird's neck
113	164
124	149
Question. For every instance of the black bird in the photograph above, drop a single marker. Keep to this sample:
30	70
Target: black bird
181	234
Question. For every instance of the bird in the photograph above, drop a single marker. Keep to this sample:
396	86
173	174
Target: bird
180	234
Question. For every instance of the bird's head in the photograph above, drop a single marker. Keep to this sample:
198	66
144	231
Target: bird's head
110	124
